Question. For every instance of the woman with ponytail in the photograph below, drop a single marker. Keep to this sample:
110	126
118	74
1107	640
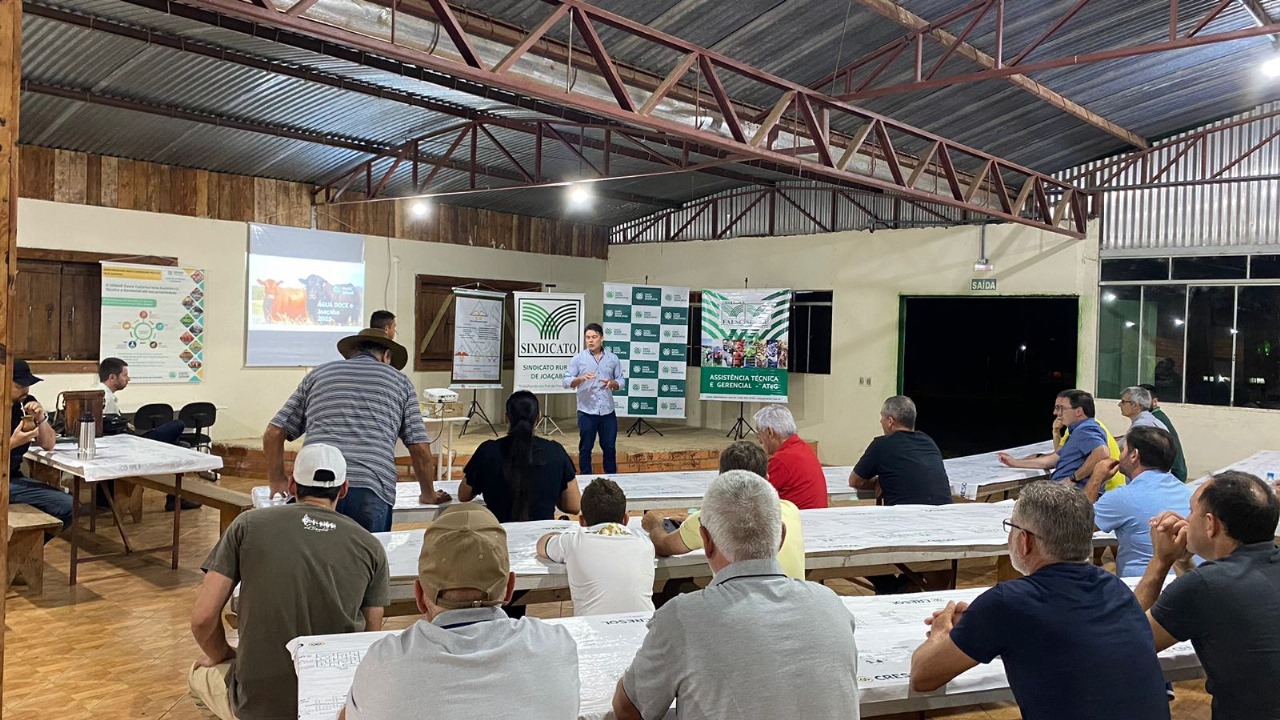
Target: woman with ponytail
521	476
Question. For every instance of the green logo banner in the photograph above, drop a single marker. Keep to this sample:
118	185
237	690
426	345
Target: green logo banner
647	327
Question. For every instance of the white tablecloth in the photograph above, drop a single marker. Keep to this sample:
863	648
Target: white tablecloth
889	628
1259	464
123	456
971	478
833	537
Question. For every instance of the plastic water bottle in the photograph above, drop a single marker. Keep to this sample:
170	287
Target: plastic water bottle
86	447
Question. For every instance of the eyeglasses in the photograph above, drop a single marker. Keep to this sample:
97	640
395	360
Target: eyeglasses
1009	527
1125	402
1061	409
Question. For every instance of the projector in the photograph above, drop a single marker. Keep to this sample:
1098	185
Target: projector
440	395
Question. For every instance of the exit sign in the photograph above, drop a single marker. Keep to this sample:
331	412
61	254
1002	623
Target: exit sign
977	284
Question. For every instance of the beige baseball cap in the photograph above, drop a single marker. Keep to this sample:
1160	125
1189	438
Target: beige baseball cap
466	547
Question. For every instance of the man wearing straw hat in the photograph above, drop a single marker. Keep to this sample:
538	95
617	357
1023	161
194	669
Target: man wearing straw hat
361	405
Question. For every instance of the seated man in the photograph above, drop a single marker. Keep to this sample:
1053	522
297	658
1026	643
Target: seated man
113	376
1071	635
904	464
1179	459
794	470
742	455
1135	404
610	566
1226	607
754	641
467	659
385	321
303	569
1151	489
1080	442
43	497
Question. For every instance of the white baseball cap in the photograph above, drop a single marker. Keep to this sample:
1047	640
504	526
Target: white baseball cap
320	465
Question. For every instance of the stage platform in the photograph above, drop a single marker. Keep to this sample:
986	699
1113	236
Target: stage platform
680	447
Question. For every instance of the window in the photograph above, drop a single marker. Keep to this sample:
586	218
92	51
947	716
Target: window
57	310
1213	267
1119	339
1129	269
1210	344
1164	331
1257	376
434	321
809	341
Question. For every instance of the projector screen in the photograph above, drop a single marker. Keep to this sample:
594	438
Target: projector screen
305	292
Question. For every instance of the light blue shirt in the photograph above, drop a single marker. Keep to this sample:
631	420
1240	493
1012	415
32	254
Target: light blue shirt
1127	509
593	397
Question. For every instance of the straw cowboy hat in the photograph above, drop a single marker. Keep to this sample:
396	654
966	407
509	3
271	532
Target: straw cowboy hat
399	355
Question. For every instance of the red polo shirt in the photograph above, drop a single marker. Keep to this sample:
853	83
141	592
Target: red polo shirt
794	471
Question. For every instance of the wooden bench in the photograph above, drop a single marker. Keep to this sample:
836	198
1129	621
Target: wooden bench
229	503
27	527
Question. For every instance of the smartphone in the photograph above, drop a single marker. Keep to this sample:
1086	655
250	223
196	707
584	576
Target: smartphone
670	525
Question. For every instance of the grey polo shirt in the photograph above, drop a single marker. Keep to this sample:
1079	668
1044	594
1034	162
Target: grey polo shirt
469	663
754	643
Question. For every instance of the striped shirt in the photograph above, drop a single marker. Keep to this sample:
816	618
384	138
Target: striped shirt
360	406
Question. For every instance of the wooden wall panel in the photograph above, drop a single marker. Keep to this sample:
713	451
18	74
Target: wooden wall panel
73	177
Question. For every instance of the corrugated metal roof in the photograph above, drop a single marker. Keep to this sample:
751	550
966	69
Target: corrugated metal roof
801	40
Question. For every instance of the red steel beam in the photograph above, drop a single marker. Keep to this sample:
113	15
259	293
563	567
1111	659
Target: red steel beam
529	87
1015	67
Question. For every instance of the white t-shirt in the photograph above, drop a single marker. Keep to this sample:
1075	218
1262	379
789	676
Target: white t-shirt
610	568
470	663
110	407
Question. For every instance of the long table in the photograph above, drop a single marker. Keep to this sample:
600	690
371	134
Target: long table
972	477
888	629
848	539
120	457
1258	464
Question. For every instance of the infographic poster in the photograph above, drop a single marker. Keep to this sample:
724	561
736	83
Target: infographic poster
477	340
153	319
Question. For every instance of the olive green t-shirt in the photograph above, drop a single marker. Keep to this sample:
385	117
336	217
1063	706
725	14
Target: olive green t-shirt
302	570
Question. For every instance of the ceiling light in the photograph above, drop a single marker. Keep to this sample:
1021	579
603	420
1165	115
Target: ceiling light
419	208
1024	347
1178	322
579	195
1129	323
1271	68
1109	297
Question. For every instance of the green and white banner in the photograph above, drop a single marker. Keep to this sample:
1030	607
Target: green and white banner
744	345
548	334
647	327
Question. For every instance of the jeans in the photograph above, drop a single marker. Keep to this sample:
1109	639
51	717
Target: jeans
45	498
589	426
166	433
366	508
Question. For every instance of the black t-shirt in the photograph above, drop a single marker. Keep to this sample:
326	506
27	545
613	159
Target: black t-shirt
910	469
16	453
552	473
1228	609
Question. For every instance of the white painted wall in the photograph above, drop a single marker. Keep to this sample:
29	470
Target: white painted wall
247	398
868	272
1212	437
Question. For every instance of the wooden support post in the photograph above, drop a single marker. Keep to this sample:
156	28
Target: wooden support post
10	82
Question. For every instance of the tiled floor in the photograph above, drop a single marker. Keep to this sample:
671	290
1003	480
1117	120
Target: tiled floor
118	644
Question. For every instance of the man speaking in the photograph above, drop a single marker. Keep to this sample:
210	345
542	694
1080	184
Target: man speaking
595	373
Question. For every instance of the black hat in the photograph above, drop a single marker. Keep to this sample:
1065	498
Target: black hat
22	374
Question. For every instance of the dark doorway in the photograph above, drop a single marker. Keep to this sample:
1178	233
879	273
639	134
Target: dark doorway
983	372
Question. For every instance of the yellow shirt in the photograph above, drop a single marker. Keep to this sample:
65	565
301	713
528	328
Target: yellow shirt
790	555
1113	448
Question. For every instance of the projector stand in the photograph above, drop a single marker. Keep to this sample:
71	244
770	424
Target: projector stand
548	427
741	428
476	409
